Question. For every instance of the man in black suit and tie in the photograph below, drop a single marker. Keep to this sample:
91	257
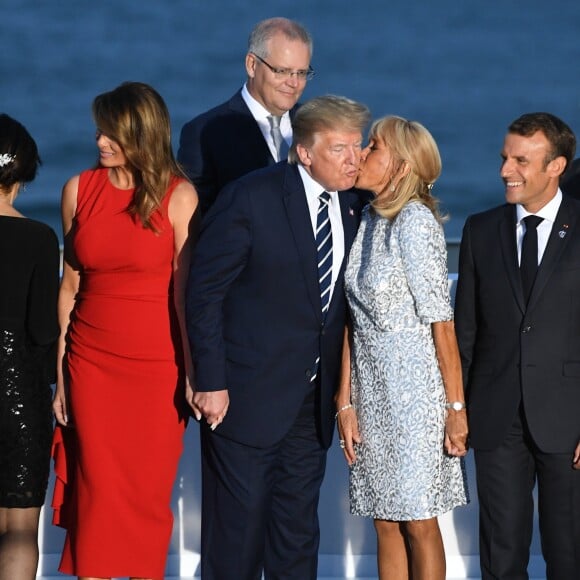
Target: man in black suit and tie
253	129
518	327
266	319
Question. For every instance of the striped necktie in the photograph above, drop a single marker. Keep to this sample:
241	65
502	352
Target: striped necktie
324	251
324	259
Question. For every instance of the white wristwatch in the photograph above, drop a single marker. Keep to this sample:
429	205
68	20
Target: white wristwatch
456	406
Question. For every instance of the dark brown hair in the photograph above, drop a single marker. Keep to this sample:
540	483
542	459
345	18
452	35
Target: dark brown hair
135	116
558	134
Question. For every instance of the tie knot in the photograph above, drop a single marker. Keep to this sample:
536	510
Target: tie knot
324	197
532	222
274	121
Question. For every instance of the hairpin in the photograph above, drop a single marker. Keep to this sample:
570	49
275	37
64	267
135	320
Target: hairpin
6	159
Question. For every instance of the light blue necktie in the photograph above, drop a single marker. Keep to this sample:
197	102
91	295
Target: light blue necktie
279	141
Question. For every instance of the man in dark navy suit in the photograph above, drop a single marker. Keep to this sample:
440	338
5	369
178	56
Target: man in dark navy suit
252	129
518	327
266	318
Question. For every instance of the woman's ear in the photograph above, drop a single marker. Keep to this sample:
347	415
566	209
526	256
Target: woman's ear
405	169
402	172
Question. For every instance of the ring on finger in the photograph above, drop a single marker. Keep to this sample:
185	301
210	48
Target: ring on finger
341	443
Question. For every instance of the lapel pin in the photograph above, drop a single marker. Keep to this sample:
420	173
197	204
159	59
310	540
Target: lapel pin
350	211
561	233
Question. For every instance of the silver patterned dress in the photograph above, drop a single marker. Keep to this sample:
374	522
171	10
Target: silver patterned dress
396	285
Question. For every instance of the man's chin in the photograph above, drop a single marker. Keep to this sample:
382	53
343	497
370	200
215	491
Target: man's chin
512	197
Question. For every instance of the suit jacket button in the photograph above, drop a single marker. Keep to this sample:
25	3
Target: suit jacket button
526	329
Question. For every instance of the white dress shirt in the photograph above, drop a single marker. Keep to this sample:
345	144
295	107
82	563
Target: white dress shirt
548	212
261	115
313	189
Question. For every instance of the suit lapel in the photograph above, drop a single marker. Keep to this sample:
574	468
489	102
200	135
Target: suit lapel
301	226
507	235
349	221
562	230
252	133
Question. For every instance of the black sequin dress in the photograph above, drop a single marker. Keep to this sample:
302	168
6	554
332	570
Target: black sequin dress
29	267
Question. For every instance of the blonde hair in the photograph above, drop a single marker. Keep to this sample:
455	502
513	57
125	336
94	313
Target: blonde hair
325	113
409	143
135	116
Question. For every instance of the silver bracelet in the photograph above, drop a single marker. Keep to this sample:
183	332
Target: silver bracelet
349	406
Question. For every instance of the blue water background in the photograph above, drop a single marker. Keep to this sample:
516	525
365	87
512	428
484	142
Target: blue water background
464	68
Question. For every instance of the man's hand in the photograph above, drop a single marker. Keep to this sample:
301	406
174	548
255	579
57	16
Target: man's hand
213	405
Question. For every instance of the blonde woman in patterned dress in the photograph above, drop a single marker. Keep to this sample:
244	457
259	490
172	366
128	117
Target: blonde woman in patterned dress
401	413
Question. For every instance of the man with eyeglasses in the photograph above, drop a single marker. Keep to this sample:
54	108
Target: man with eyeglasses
252	129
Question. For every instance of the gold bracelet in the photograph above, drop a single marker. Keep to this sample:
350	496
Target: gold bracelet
349	406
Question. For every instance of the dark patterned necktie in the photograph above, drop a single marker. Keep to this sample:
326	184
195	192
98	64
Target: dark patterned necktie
529	257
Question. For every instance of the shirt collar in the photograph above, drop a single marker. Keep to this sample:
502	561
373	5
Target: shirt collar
312	188
259	112
548	212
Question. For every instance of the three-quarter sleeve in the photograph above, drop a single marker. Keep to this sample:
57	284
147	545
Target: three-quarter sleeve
42	317
424	256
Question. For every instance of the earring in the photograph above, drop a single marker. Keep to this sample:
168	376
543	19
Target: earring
392	188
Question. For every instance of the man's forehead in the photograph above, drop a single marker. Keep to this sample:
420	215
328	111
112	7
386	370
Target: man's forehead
528	143
339	134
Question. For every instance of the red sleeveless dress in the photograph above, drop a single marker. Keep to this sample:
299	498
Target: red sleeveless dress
124	360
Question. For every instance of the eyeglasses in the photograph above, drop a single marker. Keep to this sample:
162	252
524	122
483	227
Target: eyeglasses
283	73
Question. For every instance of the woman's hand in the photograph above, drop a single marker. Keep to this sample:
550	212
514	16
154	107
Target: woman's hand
456	432
347	424
59	405
189	396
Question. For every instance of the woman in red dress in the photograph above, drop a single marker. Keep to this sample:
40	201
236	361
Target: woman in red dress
124	350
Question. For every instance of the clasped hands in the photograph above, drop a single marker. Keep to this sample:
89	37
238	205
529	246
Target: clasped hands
211	405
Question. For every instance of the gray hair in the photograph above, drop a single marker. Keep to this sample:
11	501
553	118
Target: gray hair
326	113
267	29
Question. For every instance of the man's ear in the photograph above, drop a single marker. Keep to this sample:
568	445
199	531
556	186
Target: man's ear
557	166
303	154
250	65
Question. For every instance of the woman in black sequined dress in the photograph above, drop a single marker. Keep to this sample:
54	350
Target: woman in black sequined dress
29	268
